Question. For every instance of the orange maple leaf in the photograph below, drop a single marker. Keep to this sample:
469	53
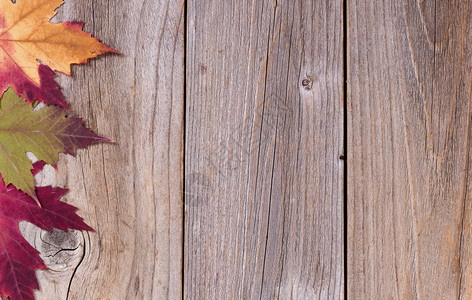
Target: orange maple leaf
30	46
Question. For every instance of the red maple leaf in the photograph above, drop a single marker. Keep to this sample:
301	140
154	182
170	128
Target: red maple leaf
18	259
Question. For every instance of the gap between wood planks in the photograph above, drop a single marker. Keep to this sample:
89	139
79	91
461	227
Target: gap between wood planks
184	145
345	72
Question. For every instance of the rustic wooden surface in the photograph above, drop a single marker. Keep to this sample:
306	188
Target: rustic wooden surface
409	120
130	191
264	133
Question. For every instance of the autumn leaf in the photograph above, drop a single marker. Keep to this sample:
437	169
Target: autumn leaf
28	38
45	132
18	259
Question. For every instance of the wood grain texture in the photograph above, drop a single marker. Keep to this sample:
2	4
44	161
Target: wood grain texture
409	120
129	191
264	133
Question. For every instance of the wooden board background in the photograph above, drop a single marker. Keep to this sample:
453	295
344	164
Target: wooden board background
264	133
227	175
259	123
130	191
409	119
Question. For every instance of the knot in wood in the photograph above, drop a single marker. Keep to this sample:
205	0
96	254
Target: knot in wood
60	250
307	83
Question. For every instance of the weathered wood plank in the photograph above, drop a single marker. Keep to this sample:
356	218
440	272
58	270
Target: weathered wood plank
263	177
409	113
130	191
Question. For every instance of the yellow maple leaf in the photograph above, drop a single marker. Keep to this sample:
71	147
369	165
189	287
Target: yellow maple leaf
28	38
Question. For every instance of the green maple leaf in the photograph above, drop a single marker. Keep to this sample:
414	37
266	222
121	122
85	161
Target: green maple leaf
45	132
